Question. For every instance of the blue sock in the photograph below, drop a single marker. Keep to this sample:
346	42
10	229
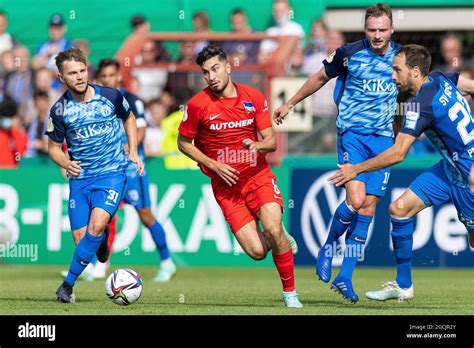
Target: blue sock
158	235
351	227
340	221
83	255
402	240
355	245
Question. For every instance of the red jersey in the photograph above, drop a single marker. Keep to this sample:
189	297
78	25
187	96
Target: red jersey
219	125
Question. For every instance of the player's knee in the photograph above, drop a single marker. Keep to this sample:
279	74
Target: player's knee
397	209
257	254
471	240
368	210
356	202
96	228
274	230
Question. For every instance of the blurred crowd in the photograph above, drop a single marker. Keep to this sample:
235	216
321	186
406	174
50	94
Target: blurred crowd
29	83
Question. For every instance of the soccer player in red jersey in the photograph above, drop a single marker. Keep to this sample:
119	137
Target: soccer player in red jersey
224	121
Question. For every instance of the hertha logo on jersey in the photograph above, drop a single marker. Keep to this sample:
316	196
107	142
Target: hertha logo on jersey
248	106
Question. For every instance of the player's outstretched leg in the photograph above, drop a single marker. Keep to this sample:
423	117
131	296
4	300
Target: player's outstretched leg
354	250
84	252
270	216
167	267
341	220
99	271
402	288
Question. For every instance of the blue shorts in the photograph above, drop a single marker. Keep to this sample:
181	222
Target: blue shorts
434	188
137	192
105	191
355	148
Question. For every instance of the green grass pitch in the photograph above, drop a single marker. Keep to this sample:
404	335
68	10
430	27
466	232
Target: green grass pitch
30	290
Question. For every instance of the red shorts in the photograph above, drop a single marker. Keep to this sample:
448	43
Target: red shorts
241	202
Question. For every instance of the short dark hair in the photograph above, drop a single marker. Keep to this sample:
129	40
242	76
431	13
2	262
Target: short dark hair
238	11
378	10
40	94
416	55
107	62
209	52
137	20
72	54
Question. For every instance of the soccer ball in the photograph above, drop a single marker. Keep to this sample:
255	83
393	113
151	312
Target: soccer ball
123	287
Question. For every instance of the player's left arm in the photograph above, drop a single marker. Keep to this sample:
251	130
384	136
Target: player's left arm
265	145
389	157
130	126
466	86
263	124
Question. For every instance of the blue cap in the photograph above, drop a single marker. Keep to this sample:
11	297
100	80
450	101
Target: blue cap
56	20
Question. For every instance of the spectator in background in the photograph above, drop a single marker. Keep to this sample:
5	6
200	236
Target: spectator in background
451	51
139	25
187	56
56	43
7	42
151	80
83	45
174	159
155	114
283	26
13	139
322	138
151	53
319	36
240	52
43	81
201	26
37	139
19	83
294	65
168	100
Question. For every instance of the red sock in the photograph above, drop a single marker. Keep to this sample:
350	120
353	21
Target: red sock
286	267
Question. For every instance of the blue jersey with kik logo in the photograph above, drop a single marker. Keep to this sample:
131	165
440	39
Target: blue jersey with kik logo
441	112
92	130
365	93
138	109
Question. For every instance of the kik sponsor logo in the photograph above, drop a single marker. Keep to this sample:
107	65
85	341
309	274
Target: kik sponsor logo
94	129
375	85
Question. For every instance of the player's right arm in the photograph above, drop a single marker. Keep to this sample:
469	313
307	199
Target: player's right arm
56	134
55	151
225	172
312	85
334	66
466	86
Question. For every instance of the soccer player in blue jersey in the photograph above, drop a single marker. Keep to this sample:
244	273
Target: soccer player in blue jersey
437	108
137	192
366	98
89	118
